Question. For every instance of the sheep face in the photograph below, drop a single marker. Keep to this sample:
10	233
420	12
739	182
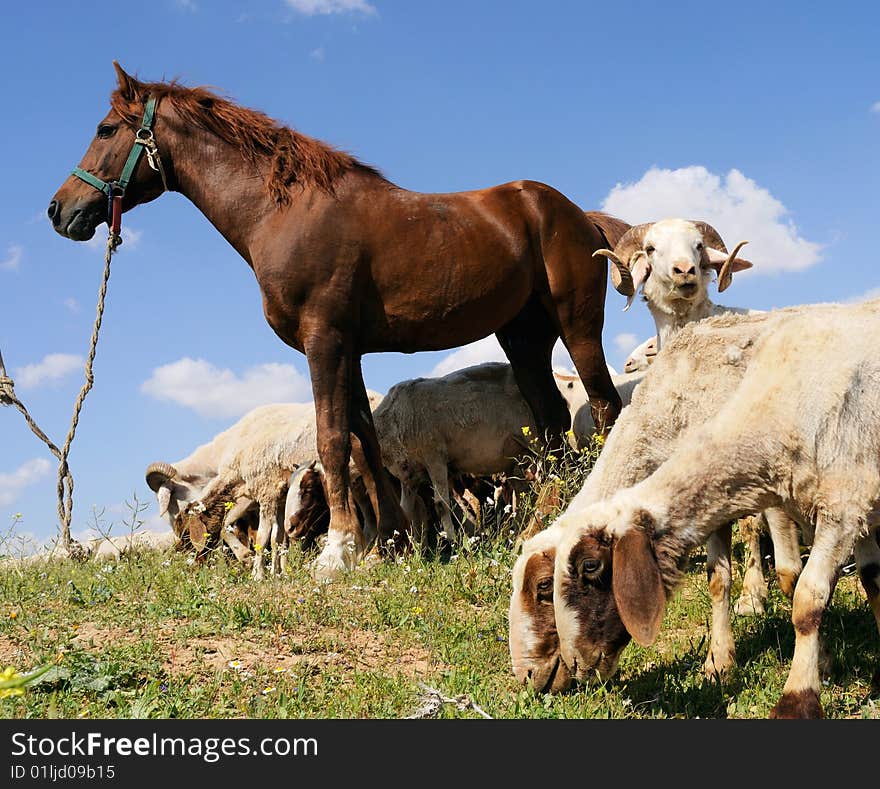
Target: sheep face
678	262
607	590
534	642
307	515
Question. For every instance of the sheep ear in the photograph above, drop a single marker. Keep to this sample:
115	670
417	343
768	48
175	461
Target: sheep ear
637	586
164	497
717	260
640	269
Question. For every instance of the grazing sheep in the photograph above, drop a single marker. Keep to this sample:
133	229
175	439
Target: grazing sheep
249	465
799	433
673	260
696	372
470	421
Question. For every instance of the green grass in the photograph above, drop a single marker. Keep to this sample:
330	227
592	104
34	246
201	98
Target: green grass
153	635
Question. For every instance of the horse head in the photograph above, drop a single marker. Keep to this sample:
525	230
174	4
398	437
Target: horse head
112	167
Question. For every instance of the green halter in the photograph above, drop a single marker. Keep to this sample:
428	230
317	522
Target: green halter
143	141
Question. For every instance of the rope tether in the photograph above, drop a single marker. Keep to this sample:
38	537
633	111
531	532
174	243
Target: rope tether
8	397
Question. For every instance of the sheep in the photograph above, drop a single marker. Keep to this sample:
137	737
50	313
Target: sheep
470	421
695	373
672	261
641	356
249	464
182	483
799	433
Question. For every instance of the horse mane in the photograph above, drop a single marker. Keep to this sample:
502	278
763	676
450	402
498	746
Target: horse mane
292	157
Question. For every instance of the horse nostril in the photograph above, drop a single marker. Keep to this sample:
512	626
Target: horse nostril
54	211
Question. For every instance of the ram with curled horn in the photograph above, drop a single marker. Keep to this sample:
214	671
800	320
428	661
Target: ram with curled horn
672	261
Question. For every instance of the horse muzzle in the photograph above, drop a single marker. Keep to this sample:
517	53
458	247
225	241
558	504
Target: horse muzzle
77	219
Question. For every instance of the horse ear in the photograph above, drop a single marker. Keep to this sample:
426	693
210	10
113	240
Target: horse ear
128	86
637	586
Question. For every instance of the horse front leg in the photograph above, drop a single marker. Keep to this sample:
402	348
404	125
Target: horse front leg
330	367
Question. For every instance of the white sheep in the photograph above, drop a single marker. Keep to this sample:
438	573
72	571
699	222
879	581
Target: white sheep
470	421
714	354
246	466
799	433
672	261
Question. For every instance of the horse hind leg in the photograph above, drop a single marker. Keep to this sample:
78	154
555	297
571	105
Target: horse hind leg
528	342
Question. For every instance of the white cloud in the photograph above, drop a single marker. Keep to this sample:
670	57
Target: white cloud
14	254
212	392
188	5
131	238
51	369
313	7
28	473
317	54
868	295
734	205
488	350
485	350
72	305
875	107
625	342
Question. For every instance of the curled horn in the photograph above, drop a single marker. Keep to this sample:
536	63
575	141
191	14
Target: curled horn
725	275
159	473
629	245
711	237
620	274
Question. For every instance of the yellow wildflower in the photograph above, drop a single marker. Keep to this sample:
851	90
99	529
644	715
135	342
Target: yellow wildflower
7	676
228	505
526	430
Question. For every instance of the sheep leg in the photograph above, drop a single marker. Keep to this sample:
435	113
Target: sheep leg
280	541
331	359
786	550
722	651
832	545
264	534
754	586
438	472
238	548
409	503
867	553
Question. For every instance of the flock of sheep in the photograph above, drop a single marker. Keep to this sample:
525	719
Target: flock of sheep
728	413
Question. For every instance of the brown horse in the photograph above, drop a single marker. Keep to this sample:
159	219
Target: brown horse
348	264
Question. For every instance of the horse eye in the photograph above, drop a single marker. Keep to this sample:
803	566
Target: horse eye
106	130
699	246
649	250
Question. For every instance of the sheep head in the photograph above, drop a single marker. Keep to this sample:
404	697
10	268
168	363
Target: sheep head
608	587
533	639
681	254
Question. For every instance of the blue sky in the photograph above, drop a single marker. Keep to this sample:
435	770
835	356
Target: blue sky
762	118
